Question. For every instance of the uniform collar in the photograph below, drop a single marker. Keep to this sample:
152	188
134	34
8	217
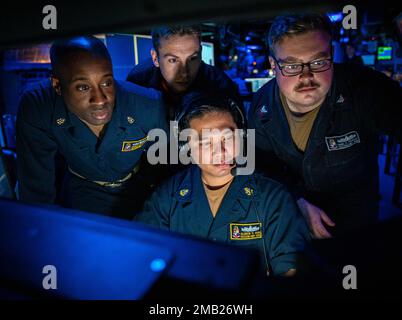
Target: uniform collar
242	187
236	204
338	95
121	115
61	114
125	116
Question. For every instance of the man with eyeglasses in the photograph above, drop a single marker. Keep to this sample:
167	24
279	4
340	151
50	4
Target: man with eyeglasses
317	125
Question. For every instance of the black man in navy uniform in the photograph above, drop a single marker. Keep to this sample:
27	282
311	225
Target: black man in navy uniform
86	129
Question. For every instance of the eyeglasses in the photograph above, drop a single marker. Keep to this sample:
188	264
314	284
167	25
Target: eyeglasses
294	69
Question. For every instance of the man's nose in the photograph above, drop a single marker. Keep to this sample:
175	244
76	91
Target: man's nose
98	96
184	69
306	73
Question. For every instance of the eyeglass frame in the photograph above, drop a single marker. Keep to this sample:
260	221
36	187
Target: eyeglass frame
308	64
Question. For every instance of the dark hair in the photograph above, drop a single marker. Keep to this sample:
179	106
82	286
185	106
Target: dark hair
167	31
296	24
196	105
62	50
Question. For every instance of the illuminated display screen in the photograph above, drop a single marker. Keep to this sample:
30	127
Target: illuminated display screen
384	53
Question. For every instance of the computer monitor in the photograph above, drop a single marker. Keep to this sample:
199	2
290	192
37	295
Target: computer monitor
6	190
98	257
257	83
208	53
384	53
142	47
368	59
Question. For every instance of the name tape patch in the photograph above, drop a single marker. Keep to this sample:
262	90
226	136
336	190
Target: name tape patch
342	142
133	145
245	231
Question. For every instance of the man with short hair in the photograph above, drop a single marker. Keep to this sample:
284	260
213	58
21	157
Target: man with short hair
93	124
322	122
176	68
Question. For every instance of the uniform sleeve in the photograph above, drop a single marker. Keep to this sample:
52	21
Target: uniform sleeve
155	173
286	231
156	112
132	77
162	117
232	90
381	97
36	155
141	74
156	209
217	82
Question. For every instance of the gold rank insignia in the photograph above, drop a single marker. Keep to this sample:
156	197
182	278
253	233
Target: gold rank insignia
130	120
60	121
183	192
248	191
133	145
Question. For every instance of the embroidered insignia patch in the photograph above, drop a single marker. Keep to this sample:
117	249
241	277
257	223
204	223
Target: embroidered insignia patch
133	145
60	121
340	99
245	231
248	191
342	142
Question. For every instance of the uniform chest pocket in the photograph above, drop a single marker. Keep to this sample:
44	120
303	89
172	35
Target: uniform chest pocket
343	149
133	139
245	233
130	145
130	150
347	165
344	157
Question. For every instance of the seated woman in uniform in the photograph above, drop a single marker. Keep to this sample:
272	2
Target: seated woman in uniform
210	200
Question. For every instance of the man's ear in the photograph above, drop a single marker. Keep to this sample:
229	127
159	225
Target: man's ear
56	85
154	56
272	63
